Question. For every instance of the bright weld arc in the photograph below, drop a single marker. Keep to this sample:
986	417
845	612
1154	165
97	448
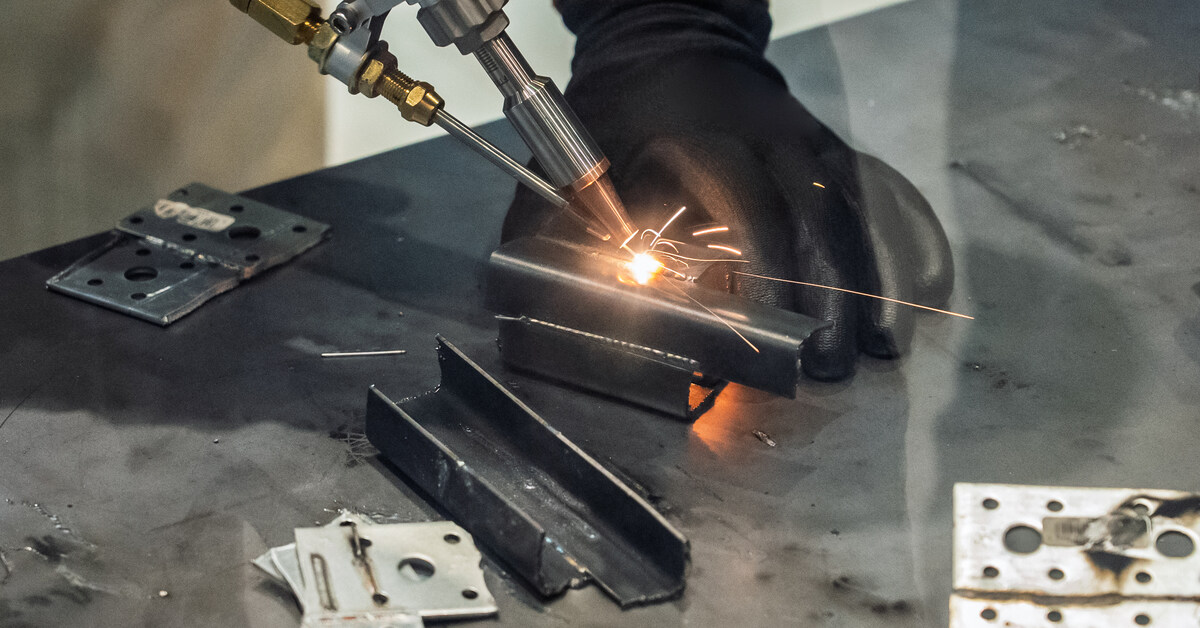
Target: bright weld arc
861	294
644	267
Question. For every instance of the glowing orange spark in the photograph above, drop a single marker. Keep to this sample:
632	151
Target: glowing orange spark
701	232
658	234
727	249
818	185
681	258
625	244
861	294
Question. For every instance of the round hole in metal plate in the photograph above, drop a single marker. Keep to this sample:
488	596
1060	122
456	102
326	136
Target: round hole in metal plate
1054	617
187	265
1022	539
138	296
1054	505
1175	544
451	538
1142	619
95	282
416	569
187	237
136	220
237	209
142	252
470	594
1143	577
988	614
244	232
299	228
141	273
990	572
991	504
1056	574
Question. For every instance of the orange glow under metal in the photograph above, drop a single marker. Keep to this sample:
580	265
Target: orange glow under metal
717	428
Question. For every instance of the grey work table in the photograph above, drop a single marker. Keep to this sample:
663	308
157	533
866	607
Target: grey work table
1057	141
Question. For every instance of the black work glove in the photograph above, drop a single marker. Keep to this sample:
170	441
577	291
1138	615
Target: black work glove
680	98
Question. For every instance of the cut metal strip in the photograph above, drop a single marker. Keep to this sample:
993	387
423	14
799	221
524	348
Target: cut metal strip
554	514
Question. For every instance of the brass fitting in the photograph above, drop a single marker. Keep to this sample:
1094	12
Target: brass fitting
322	42
299	22
294	21
417	101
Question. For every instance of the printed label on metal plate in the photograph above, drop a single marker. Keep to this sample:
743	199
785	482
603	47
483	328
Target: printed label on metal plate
194	217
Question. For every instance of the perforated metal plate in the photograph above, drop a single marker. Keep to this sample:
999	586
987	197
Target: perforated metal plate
1060	556
232	230
184	250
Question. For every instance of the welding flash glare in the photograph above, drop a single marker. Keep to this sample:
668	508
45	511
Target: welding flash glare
643	268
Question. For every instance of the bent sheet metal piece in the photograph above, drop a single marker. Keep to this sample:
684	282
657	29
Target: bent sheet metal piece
1079	557
565	314
540	503
353	572
184	250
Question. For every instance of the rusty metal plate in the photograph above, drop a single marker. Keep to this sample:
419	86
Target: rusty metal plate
1031	555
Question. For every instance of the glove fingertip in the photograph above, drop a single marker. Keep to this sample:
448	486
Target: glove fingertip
827	356
887	334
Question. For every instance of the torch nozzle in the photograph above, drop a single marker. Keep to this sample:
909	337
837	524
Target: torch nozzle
598	204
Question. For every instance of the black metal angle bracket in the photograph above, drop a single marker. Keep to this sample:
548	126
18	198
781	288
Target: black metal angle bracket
549	510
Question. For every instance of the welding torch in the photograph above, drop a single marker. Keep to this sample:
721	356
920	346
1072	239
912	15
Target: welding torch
347	47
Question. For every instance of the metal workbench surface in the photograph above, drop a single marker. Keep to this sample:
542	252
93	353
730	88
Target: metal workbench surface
1058	143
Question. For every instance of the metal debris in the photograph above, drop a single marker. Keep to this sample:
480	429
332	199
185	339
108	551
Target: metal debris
1030	555
765	438
362	354
6	565
1076	135
342	573
1185	102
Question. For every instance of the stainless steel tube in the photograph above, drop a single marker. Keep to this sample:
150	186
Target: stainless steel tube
541	115
489	151
556	137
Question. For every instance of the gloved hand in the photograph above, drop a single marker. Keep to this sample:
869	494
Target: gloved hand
680	98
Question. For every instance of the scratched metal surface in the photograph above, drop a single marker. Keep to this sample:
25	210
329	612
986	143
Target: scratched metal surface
1073	209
